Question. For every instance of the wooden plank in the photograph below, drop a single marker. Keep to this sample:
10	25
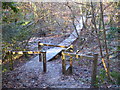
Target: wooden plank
51	53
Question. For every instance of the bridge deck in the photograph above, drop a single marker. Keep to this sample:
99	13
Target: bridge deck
51	53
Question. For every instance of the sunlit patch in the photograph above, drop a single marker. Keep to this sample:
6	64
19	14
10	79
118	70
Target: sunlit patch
30	52
4	70
104	64
13	52
62	46
0	62
71	46
20	52
71	50
17	56
37	52
110	56
41	44
25	23
77	56
63	57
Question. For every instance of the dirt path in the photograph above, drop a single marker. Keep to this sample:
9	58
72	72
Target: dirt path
31	75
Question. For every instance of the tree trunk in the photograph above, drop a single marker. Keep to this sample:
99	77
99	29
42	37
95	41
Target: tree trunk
105	41
73	19
99	43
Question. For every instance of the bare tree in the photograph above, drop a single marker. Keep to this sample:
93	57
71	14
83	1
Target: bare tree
99	43
73	19
105	41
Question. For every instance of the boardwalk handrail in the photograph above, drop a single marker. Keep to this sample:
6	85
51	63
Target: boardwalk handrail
26	52
94	57
43	54
45	44
67	48
78	55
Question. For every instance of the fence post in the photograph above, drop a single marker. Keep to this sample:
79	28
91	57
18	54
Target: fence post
44	62
11	60
71	61
63	63
71	48
39	48
94	71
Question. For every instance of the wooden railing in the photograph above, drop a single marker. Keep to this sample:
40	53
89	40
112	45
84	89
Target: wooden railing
43	57
42	54
66	52
44	44
93	57
67	48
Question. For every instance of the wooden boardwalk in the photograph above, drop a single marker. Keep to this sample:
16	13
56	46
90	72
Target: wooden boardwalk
51	53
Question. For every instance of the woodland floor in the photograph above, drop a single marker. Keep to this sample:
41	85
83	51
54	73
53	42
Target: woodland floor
28	75
34	77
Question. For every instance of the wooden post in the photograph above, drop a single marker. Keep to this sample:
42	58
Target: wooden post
11	60
71	61
44	62
63	63
71	48
94	71
39	48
